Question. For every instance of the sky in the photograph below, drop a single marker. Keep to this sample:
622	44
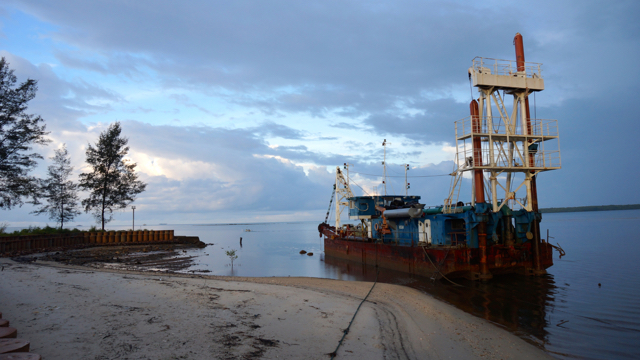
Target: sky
240	111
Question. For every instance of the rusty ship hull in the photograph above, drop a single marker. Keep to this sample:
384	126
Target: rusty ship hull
435	262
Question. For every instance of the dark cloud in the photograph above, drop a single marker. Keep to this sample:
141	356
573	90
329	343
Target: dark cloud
335	55
596	135
352	58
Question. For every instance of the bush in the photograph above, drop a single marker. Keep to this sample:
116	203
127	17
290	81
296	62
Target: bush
36	230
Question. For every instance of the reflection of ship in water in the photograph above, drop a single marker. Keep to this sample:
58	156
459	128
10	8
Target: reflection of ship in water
519	304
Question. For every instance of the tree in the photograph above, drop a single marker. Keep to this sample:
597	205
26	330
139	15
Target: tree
232	256
60	192
18	132
112	183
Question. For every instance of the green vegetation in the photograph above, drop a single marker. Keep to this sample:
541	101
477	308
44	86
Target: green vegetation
47	230
60	192
232	256
112	182
93	228
590	208
19	131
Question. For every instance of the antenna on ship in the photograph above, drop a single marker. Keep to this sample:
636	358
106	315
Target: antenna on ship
406	184
346	168
384	165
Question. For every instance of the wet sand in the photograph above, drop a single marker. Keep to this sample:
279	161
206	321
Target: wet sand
74	312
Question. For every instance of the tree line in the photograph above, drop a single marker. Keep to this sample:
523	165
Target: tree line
590	208
111	182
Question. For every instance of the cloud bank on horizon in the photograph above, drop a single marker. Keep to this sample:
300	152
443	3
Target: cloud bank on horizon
240	111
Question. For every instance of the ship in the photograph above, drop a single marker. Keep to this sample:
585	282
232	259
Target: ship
502	150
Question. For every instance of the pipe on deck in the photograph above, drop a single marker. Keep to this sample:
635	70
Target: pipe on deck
520	62
479	187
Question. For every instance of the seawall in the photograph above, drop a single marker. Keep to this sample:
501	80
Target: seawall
28	244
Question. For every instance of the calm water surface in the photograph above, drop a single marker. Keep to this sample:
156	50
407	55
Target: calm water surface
567	312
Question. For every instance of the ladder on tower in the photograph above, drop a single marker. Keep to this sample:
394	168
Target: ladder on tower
451	202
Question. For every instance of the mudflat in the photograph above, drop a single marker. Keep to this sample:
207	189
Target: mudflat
74	312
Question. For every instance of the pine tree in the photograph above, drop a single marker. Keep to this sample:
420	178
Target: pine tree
60	192
112	183
18	132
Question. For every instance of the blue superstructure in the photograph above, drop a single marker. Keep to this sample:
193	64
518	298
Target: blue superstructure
406	222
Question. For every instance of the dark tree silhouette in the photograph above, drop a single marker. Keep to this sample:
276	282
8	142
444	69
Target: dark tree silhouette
112	183
60	193
18	132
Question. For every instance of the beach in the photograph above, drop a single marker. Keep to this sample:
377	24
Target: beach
75	312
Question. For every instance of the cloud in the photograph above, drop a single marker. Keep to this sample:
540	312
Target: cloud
334	54
124	64
61	103
222	168
270	128
185	101
282	91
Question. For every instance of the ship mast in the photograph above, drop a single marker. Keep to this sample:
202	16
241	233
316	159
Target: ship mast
343	192
384	165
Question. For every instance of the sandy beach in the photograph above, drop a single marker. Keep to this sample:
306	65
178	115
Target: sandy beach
73	312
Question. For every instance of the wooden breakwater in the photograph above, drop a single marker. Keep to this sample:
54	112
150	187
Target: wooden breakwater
10	245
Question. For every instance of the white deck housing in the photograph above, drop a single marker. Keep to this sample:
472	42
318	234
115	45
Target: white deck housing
503	75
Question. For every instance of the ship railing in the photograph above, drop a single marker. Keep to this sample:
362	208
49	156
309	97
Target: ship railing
506	67
542	159
452	208
548	158
355	234
539	127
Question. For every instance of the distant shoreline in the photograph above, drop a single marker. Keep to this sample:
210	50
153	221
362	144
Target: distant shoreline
590	208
